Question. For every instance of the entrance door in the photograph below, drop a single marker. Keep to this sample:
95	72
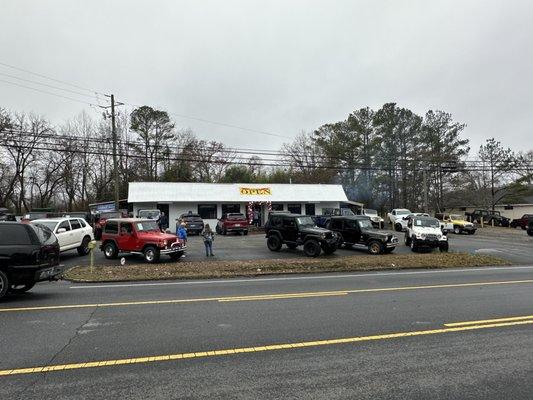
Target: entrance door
163	208
309	209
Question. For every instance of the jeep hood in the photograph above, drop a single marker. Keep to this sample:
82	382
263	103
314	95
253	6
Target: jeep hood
154	235
314	230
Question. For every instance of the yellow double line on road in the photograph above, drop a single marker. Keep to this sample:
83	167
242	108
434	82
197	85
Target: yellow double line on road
465	326
275	296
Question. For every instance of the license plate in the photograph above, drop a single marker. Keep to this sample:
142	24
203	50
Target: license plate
237	225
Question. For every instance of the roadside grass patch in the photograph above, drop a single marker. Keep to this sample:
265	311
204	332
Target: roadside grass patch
239	268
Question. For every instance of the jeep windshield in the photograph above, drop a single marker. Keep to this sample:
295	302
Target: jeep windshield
427	222
403	212
150	214
365	224
147	226
305	221
457	217
368	211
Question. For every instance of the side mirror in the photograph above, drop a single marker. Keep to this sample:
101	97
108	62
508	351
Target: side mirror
61	230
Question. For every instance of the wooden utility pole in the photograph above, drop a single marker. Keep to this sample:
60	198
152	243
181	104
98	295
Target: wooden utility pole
425	191
115	161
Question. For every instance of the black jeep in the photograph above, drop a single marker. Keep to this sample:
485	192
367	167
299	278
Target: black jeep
530	226
295	230
29	253
358	232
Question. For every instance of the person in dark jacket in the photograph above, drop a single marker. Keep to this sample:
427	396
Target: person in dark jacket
208	236
163	222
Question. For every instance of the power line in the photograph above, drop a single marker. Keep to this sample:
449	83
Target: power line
50	93
50	78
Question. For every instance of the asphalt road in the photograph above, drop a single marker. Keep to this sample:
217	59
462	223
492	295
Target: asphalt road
441	334
511	244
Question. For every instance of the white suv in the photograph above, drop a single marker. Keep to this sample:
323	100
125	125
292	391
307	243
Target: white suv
71	233
425	232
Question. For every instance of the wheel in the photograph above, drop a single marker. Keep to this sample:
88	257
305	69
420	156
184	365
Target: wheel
245	233
375	247
407	240
18	289
312	248
328	250
414	247
389	250
83	250
456	230
398	227
471	232
151	254
4	284
217	230
530	232
274	243
176	256
523	228
291	246
110	251
224	231
444	247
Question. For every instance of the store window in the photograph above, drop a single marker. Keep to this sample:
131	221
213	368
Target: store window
207	211
231	208
277	207
294	208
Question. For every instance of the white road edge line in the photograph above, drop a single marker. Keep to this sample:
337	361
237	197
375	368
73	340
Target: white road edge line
293	278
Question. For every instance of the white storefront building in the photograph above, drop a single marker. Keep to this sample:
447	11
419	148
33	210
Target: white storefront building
211	200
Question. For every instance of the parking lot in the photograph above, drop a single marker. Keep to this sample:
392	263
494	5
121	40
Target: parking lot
511	244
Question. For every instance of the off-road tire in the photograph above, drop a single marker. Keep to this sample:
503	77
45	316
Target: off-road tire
19	289
217	230
151	254
398	227
471	232
292	246
328	250
224	231
457	230
274	243
4	284
245	233
444	247
375	247
110	251
530	232
312	248
407	240
83	250
414	247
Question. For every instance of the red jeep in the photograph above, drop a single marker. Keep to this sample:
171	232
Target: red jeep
139	236
232	222
521	222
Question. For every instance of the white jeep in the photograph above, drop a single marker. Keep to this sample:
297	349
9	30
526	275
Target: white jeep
426	232
395	217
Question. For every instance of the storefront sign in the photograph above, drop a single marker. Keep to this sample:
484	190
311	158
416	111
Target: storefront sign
255	191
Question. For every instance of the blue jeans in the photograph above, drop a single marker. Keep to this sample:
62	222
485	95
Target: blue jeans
208	248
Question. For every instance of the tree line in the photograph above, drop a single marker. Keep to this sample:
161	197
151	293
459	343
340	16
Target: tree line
385	158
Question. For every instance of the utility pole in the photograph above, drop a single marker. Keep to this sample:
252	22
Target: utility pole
425	183
115	161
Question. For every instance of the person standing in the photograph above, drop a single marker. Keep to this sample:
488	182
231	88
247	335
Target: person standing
163	222
208	236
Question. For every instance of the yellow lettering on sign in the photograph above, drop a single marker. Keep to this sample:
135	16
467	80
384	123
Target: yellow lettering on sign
255	191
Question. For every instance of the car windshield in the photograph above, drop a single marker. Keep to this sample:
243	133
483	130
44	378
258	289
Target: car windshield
403	212
49	224
365	224
305	221
192	218
146	226
368	211
427	222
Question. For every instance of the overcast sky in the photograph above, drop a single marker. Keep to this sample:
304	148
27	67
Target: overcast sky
278	66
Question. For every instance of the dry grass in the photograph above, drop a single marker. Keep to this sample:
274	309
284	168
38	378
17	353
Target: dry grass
223	269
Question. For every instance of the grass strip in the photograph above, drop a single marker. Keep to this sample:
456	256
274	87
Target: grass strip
249	268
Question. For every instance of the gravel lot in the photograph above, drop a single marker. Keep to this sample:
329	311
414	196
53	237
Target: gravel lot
512	245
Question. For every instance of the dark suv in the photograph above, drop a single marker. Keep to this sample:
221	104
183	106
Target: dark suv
358	231
295	230
193	223
28	254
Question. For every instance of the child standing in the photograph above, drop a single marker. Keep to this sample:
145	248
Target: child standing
208	236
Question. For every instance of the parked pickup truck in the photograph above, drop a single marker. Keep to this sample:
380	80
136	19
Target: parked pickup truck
28	254
232	222
139	236
358	232
488	217
457	222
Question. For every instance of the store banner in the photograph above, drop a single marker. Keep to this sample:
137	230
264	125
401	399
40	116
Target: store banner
255	191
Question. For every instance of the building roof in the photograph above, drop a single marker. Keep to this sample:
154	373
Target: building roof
164	192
